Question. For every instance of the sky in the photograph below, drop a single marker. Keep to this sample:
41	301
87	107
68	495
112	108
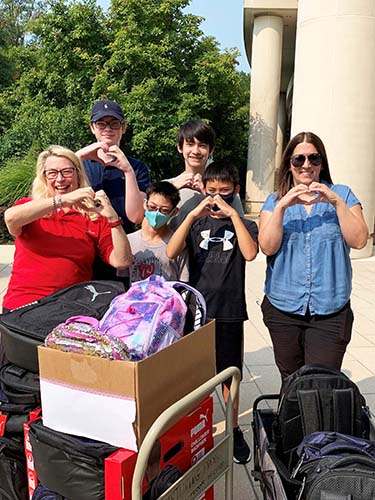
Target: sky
223	20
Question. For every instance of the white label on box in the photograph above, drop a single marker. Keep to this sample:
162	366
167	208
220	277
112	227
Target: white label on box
96	415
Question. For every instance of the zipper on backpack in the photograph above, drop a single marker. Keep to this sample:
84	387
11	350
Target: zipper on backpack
298	466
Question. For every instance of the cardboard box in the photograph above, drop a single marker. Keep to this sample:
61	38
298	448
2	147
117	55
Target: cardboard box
182	445
117	401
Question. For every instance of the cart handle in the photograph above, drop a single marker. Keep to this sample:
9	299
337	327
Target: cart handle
179	410
263	397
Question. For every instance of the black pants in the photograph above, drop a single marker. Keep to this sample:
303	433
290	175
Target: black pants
299	340
229	346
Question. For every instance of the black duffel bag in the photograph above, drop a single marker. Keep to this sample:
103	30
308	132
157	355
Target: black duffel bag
58	456
23	329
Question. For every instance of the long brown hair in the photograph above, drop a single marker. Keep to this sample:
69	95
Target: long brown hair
285	178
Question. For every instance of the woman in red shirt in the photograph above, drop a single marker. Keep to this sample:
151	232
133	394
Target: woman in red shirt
60	229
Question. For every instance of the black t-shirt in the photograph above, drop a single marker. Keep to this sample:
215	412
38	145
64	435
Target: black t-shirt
217	267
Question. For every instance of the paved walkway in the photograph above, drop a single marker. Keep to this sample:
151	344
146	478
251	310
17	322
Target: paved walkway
260	373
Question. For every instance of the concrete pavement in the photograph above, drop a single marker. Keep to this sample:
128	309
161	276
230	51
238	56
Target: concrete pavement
260	373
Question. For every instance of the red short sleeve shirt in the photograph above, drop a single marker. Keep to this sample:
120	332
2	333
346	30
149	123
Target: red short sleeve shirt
55	252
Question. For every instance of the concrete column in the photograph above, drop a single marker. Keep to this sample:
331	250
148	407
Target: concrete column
264	107
280	134
334	91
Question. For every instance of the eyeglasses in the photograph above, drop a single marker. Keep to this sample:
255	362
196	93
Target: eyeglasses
154	208
299	160
65	172
114	124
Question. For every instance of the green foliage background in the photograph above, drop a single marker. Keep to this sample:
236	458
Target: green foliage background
58	57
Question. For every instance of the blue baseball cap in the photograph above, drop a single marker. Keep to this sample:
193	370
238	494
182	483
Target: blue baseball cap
106	108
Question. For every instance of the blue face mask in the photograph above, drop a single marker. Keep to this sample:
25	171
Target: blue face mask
228	198
156	219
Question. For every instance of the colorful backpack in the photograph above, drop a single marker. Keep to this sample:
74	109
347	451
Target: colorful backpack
148	317
82	334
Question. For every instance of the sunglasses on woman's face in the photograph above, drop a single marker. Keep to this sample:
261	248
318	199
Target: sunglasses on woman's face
299	160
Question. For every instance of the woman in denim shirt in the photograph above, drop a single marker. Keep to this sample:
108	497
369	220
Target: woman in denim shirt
306	229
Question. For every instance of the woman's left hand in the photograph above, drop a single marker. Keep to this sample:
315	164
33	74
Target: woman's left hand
118	159
325	194
105	207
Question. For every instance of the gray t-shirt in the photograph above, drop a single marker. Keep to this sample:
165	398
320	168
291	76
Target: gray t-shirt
151	259
189	200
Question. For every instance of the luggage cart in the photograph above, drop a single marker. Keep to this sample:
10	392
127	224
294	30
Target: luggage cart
265	470
275	482
211	467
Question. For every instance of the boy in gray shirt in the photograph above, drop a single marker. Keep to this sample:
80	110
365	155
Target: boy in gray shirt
149	243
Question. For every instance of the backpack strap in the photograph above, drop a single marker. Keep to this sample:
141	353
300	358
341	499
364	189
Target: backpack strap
180	286
332	495
164	480
310	410
89	320
343	411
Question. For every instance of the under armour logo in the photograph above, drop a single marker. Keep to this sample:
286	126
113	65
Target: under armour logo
227	245
92	289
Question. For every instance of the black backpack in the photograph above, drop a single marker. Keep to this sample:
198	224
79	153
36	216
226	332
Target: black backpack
317	398
23	329
13	478
19	395
335	466
196	307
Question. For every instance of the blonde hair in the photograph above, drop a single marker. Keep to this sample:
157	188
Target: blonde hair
39	188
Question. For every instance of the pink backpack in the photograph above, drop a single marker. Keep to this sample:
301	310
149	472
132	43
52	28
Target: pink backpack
81	334
148	317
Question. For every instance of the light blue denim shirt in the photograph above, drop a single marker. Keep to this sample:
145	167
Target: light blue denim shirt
312	267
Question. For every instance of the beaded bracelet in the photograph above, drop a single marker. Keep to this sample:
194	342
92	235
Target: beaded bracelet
54	204
59	202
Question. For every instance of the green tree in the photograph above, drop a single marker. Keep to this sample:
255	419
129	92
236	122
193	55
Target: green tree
48	102
165	71
14	16
72	40
149	55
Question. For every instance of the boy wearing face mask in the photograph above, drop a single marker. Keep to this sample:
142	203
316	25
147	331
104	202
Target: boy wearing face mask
219	242
149	243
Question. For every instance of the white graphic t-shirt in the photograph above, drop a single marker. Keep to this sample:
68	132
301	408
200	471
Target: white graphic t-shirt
151	259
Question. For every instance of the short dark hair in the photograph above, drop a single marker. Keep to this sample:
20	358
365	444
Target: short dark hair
196	129
166	189
221	170
284	176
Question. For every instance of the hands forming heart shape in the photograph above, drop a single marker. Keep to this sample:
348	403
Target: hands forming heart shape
196	182
105	158
309	197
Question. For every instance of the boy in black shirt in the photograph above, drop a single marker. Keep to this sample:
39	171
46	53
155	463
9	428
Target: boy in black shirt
219	243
